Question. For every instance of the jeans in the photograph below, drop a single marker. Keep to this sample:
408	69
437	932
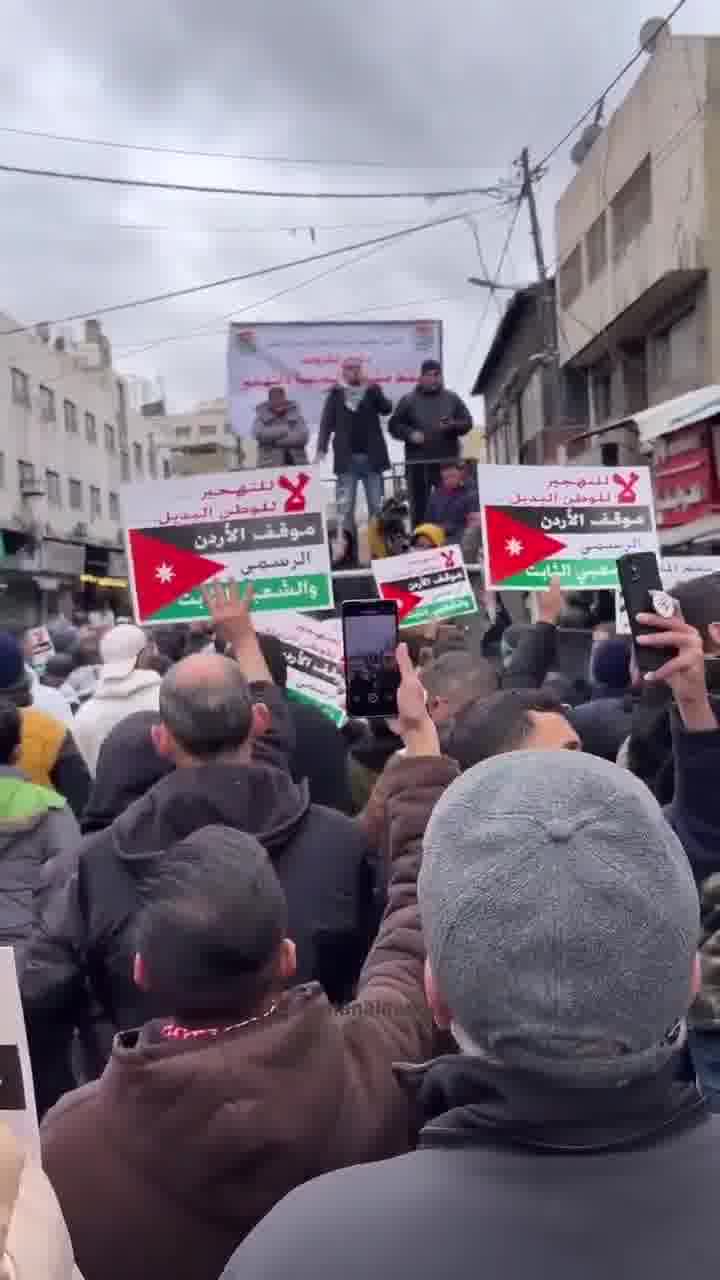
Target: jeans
347	487
705	1050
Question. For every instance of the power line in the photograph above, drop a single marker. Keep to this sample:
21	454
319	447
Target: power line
152	185
613	84
495	280
219	155
256	274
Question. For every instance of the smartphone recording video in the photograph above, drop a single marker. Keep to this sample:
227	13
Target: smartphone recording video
370	636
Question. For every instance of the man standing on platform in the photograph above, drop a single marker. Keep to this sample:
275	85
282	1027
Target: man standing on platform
429	421
351	416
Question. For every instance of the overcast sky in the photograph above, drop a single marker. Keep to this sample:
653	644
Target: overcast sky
442	94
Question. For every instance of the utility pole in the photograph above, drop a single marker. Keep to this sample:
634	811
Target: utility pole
546	300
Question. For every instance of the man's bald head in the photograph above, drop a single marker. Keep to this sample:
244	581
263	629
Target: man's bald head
206	706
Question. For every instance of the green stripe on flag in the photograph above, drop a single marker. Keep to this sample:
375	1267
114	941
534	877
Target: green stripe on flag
334	713
299	595
574	575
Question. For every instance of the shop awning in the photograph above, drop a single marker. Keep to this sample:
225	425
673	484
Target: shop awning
672	415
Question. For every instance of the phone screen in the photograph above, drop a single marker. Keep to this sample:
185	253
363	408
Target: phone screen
370	634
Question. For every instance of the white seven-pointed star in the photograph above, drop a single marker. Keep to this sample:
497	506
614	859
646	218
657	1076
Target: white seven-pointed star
164	573
513	546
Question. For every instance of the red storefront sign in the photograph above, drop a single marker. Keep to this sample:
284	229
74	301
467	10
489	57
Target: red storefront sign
685	475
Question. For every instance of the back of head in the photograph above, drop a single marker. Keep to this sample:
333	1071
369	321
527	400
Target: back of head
273	652
211	928
57	669
10	732
561	916
14	680
491	726
611	664
700	603
206	704
128	767
458	678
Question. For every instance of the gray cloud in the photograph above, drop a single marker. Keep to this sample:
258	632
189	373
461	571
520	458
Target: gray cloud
459	84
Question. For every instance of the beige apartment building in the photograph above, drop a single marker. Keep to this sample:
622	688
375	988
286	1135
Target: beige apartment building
638	239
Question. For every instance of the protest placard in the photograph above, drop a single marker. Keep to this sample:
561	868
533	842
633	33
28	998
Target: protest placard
305	357
673	571
427	585
266	527
565	522
17	1095
314	656
40	648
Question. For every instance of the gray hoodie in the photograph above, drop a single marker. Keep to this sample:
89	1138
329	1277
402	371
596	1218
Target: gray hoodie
38	836
281	440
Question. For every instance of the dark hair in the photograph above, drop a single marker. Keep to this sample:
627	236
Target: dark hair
213	921
128	767
158	662
491	726
10	731
58	667
450	673
210	718
431	366
273	652
170	641
700	603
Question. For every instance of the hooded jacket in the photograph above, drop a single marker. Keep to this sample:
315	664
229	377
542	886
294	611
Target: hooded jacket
128	766
189	1143
514	1178
355	431
424	411
84	938
282	440
36	829
111	702
34	1241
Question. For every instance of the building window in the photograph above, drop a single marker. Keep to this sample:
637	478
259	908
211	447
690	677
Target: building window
20	384
571	278
207	429
596	248
602	393
152	461
90	428
114	506
125	467
109	438
76	498
70	414
183	433
632	209
166	469
228	429
95	503
2	470
47	405
122	435
138	458
26	475
52	484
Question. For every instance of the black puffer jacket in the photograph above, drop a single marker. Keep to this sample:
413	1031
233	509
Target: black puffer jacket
85	941
128	766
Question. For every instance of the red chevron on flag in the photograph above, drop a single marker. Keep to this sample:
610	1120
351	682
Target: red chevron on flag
513	546
163	572
406	600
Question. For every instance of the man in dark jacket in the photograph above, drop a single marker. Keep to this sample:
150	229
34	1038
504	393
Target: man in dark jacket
228	731
606	720
205	1118
351	418
561	920
429	421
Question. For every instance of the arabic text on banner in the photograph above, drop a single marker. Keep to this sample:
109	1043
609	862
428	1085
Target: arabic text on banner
306	360
428	586
565	522
17	1094
314	656
266	527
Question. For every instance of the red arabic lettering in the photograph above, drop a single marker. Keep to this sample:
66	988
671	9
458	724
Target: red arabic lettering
296	488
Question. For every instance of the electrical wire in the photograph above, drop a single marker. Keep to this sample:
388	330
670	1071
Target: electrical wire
145	184
221	155
613	84
495	280
256	274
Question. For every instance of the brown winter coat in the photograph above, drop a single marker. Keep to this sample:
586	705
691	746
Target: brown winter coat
165	1164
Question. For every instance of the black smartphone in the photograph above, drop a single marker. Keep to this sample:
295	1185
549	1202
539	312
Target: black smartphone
643	592
370	639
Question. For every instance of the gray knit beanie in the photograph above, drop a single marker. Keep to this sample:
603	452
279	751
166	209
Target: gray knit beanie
560	914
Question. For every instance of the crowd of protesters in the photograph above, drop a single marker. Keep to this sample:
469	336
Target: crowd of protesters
372	1000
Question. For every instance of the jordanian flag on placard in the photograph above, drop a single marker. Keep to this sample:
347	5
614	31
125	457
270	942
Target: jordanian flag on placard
163	572
513	547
